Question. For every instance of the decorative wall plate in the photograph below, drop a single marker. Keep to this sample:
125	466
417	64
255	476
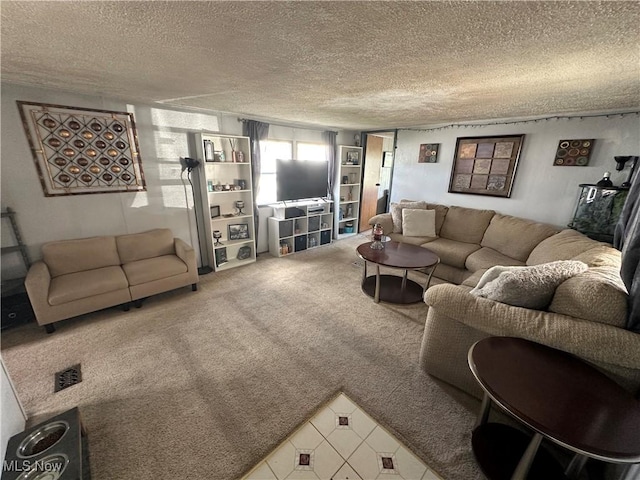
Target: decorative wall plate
79	151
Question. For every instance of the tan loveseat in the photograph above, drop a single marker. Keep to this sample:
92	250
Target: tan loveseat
585	317
84	275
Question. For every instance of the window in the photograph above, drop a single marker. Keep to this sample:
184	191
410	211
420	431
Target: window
271	150
311	151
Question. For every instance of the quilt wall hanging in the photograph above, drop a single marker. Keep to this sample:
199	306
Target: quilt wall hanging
80	151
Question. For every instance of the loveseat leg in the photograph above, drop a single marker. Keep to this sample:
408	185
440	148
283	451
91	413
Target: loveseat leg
138	303
126	306
194	287
49	328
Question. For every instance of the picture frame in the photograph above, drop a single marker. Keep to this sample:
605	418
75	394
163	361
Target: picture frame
387	159
80	151
215	211
428	153
221	256
238	231
573	153
485	165
353	157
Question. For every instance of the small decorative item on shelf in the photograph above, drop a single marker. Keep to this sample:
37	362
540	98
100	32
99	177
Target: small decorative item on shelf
217	235
353	158
241	182
218	187
378	233
226	187
215	211
348	227
244	252
349	211
606	180
345	179
240	206
209	185
350	196
238	231
284	248
208	151
221	256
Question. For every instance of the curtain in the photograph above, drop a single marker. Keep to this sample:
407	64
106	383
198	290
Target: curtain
257	132
627	240
330	139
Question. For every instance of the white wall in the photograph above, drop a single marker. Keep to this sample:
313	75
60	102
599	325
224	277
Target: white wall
541	191
164	136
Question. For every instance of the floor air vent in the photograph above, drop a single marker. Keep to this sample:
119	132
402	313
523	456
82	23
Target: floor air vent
68	377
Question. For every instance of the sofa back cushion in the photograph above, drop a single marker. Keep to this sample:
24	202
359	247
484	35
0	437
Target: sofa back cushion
441	213
396	212
515	237
561	246
71	256
139	246
597	295
466	224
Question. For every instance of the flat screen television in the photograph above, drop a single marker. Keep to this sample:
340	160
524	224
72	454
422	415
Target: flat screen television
299	179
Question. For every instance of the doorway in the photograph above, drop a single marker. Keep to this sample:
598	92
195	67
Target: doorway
379	150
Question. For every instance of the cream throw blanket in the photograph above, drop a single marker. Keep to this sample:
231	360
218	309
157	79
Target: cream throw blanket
528	287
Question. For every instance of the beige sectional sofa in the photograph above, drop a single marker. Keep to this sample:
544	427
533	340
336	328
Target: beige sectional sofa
586	316
84	275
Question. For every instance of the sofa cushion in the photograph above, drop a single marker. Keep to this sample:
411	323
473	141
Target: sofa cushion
399	237
418	222
473	280
441	213
396	213
70	256
601	256
150	269
78	285
487	258
150	244
451	252
466	224
450	274
527	287
561	246
515	237
597	295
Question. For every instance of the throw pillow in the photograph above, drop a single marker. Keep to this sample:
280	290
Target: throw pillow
418	223
396	213
527	287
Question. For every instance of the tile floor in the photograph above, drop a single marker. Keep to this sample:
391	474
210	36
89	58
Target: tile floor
341	442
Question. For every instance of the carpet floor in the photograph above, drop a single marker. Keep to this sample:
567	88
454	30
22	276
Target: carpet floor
205	384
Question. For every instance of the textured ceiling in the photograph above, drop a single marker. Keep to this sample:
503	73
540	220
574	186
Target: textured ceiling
362	65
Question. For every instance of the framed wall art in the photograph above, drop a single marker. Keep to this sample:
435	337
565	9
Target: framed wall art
485	165
428	153
573	153
79	150
238	231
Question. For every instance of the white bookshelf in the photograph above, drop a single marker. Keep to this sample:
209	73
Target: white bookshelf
347	191
225	178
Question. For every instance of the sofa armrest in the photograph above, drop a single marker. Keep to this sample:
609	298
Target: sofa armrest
383	219
592	341
37	284
186	253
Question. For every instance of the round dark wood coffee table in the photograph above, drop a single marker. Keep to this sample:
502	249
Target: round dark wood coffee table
559	397
392	288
